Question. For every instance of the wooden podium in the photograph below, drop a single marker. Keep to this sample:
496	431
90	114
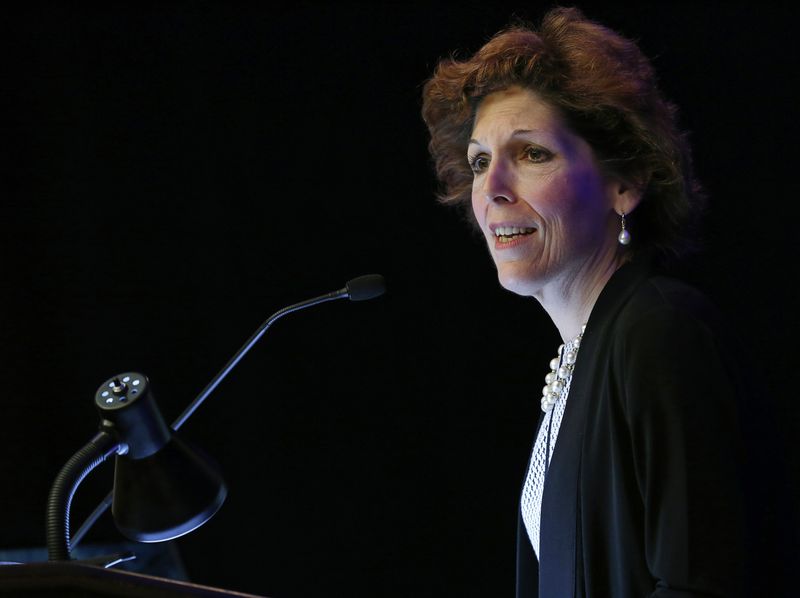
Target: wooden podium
79	580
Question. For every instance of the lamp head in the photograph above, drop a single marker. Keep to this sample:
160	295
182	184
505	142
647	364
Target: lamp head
163	488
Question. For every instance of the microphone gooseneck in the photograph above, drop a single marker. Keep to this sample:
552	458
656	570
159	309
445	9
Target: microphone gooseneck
362	288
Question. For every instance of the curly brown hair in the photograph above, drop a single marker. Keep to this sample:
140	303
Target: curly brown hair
605	89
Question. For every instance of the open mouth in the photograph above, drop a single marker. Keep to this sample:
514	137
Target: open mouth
507	234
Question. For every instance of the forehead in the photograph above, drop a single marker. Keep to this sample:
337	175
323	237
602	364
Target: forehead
512	109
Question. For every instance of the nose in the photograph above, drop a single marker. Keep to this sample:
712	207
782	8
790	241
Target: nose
498	184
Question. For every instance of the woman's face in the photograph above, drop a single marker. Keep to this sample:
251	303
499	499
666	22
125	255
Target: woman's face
538	195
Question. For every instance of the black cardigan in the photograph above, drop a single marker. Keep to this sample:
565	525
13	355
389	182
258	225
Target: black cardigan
646	494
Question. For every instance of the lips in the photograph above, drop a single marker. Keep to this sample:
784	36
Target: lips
508	234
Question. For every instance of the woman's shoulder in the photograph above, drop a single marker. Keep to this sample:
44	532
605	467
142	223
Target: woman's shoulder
668	300
667	316
645	310
641	294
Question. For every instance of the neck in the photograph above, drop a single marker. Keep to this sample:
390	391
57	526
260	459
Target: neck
569	302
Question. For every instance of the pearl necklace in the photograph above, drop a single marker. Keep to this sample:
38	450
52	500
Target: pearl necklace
561	367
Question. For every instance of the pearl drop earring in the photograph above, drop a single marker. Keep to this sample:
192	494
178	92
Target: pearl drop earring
624	236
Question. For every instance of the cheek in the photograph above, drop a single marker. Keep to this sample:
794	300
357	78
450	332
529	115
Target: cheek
478	210
548	196
590	186
571	195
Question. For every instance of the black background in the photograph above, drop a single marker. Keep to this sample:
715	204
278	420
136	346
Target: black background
178	171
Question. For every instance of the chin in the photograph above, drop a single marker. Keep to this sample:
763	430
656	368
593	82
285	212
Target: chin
517	280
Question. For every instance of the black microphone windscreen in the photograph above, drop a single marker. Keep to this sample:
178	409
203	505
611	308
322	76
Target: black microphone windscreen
366	287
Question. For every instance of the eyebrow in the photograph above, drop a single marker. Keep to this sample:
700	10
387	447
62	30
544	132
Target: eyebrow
515	133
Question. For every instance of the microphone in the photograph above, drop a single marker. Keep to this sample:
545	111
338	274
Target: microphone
362	288
365	287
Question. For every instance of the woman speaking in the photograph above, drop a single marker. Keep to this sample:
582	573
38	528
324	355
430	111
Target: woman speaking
572	166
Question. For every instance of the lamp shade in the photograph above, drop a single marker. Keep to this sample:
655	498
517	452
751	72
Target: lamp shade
167	494
163	488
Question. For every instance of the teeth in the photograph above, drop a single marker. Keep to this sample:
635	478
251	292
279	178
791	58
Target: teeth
507	231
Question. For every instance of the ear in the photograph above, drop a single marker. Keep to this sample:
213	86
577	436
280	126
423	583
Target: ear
625	195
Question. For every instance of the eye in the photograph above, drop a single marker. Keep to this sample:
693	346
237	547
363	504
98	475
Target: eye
478	163
537	154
